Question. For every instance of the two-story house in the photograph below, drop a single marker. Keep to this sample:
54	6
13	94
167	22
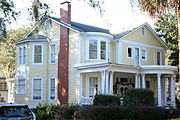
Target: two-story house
61	61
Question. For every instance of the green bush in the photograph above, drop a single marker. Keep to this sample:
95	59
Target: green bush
65	112
106	100
45	111
100	113
138	97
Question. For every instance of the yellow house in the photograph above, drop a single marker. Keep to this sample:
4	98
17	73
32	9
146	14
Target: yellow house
61	61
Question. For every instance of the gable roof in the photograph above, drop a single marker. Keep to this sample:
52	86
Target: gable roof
125	33
81	27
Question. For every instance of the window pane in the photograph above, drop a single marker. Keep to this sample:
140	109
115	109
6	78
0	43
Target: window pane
103	50
21	85
158	58
143	54
53	53
52	89
129	52
93	86
92	49
37	89
37	54
20	55
93	54
24	55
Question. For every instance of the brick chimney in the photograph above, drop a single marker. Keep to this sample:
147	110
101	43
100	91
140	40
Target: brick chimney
63	55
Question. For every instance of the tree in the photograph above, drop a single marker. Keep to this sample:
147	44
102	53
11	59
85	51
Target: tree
7	51
7	12
157	8
167	29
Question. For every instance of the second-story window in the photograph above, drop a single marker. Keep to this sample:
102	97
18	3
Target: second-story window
103	50
129	52
97	50
144	54
93	48
20	55
37	54
53	53
24	55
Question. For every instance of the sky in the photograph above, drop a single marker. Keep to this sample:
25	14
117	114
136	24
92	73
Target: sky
118	15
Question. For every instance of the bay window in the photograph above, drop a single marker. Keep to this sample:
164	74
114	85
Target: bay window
21	85
97	50
37	89
37	54
22	54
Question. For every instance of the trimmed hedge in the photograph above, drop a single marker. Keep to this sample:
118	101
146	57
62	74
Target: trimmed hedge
100	113
106	100
138	98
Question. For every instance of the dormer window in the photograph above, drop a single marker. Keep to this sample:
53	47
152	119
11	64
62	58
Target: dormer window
97	50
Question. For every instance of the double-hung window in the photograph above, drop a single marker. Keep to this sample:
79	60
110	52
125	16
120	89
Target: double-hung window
97	49
53	53
37	89
130	52
21	85
93	86
38	54
22	54
93	49
52	89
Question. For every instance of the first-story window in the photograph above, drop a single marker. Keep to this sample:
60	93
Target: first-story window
37	89
21	85
93	86
52	89
129	52
93	49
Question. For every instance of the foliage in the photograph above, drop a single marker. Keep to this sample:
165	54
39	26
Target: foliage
7	51
138	97
100	113
177	103
167	29
46	111
7	12
106	100
65	112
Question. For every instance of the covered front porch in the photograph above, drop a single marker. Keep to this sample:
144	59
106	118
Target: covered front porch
115	79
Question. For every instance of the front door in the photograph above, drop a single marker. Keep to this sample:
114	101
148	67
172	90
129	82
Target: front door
137	57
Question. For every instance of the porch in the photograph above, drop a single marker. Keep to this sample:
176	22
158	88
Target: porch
115	79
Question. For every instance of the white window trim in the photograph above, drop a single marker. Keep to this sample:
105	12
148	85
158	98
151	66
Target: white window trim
98	50
160	56
17	86
49	86
132	52
32	92
53	43
34	44
87	82
145	54
22	55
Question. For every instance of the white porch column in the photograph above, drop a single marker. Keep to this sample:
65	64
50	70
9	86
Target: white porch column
164	90
137	81
173	90
143	81
80	86
111	83
159	90
103	82
107	82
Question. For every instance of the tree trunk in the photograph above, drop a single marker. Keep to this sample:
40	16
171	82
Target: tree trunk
178	16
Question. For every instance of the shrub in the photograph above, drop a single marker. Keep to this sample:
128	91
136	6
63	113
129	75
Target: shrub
106	100
138	97
100	113
45	111
65	112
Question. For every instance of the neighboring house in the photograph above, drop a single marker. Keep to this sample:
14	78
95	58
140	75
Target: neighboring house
61	61
7	90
